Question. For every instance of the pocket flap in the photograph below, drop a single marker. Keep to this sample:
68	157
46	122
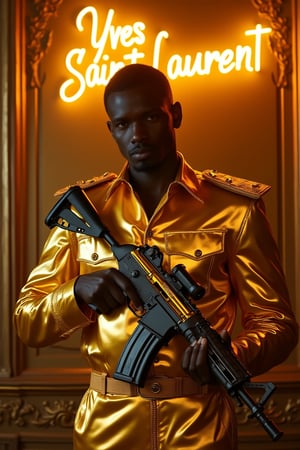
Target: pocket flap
195	244
93	251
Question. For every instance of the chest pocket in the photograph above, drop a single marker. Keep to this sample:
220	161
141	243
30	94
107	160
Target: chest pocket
197	251
94	254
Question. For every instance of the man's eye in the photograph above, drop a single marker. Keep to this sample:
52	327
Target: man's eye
153	117
121	125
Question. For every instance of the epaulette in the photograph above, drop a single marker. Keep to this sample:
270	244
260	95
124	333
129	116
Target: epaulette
240	186
86	184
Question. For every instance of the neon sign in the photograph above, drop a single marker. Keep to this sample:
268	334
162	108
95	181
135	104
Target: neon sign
89	73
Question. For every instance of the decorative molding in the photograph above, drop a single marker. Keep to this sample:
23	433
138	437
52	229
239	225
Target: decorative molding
39	37
286	414
21	413
61	413
279	38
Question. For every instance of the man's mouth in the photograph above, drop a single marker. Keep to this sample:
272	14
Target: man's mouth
140	152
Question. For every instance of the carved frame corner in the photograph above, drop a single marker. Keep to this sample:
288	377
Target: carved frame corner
279	39
39	37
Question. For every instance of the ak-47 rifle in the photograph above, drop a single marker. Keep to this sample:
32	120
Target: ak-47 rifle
168	309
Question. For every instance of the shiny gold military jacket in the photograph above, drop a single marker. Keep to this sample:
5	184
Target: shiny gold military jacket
224	240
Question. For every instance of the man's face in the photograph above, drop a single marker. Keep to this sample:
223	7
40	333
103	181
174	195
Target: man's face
142	122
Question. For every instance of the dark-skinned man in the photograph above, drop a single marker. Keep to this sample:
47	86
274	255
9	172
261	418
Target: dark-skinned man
223	238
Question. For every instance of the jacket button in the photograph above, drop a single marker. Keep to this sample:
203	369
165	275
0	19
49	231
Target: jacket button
155	388
94	256
198	253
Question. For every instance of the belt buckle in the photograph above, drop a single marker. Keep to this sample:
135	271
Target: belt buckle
158	388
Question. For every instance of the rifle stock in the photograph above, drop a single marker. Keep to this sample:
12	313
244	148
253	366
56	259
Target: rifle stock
168	309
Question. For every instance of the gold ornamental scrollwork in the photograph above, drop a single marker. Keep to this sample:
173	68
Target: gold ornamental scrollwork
61	413
286	414
39	37
279	37
20	413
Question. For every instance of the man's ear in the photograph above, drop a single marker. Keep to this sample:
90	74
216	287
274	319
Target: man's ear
177	114
109	125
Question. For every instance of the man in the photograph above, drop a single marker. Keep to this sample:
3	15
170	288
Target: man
220	235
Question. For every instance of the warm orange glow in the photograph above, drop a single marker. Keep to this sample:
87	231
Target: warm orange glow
85	73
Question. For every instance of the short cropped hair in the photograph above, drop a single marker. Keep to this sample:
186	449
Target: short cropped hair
134	75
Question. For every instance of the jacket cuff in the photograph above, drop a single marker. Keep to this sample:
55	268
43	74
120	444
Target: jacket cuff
68	313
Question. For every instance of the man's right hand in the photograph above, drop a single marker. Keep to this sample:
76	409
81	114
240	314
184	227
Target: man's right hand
106	290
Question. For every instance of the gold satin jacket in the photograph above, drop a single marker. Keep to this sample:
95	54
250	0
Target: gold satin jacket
224	241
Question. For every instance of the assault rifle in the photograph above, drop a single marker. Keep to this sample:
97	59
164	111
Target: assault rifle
168	309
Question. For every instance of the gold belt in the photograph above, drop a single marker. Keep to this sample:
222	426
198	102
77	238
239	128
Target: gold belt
155	387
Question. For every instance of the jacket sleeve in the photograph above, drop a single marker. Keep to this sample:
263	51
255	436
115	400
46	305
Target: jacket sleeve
270	331
47	311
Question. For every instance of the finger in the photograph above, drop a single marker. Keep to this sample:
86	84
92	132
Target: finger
129	292
190	357
186	358
196	357
226	337
106	295
195	363
110	300
202	362
201	356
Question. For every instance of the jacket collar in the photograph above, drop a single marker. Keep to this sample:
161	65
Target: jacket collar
187	178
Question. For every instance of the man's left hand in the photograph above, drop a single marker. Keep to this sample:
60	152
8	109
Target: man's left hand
195	361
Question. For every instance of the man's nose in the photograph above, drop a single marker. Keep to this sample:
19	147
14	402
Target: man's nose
138	132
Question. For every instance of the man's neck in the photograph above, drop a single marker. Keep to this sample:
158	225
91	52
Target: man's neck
150	186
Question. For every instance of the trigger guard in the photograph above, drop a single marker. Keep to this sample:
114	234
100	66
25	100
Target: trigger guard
134	311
